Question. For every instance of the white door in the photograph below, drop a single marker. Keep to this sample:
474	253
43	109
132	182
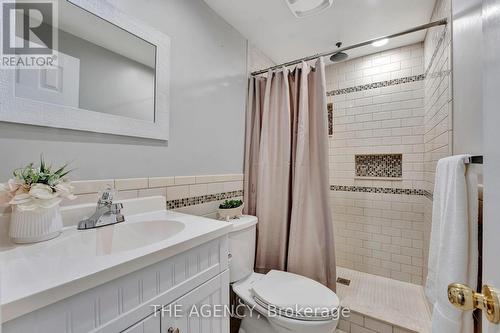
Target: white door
197	309
60	85
491	137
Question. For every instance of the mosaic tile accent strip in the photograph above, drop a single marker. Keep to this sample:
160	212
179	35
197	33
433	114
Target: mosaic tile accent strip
382	190
330	118
179	203
387	83
379	165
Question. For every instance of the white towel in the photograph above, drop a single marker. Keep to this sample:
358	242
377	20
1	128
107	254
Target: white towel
453	251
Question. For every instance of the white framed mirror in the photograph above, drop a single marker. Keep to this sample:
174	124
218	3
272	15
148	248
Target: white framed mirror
112	76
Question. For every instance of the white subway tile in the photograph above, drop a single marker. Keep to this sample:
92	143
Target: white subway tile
184	180
127	194
149	192
131	183
177	192
160	181
198	190
91	186
215	188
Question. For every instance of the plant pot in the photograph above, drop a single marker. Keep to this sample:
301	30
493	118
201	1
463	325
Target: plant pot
36	225
230	213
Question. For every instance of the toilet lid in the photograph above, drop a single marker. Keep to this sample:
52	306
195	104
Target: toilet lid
295	296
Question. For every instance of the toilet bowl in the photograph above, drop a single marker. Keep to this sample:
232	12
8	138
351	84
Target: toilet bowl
276	302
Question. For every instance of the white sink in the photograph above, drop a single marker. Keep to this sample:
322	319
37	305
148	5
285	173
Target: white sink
107	240
128	236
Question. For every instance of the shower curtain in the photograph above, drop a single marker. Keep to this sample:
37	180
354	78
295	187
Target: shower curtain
286	172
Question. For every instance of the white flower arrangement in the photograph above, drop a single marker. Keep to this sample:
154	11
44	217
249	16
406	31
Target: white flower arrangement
38	187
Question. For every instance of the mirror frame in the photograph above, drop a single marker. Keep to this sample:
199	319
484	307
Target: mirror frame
26	111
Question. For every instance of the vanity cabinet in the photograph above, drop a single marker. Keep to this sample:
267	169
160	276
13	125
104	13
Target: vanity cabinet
149	325
196	276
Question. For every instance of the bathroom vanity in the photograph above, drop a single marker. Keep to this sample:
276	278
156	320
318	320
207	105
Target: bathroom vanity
140	276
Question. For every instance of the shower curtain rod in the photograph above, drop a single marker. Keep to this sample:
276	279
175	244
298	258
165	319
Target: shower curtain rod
298	61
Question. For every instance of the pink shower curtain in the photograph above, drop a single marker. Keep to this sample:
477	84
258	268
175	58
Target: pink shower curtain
286	172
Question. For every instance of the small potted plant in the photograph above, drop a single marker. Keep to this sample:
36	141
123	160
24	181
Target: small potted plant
230	209
36	193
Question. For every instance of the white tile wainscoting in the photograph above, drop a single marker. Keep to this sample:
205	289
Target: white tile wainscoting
197	195
380	233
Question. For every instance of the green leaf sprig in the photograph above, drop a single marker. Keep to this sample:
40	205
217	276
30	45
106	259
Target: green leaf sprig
228	204
41	175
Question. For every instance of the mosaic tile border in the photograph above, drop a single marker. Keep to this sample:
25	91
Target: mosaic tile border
329	107
380	84
191	201
383	190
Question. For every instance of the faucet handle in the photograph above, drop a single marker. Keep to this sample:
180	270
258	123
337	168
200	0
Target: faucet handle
116	208
106	196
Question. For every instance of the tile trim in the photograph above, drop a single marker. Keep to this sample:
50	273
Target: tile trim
371	189
191	201
436	50
380	84
429	195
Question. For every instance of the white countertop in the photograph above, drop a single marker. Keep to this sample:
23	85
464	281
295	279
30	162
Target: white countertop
36	275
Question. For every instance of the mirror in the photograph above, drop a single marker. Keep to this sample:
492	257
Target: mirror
101	68
111	74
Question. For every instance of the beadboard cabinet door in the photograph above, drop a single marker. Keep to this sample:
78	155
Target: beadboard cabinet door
151	324
202	310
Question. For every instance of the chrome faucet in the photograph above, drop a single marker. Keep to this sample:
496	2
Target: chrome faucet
106	212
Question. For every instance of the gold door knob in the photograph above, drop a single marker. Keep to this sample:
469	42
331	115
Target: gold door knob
465	298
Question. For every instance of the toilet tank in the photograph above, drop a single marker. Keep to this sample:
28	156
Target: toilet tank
242	247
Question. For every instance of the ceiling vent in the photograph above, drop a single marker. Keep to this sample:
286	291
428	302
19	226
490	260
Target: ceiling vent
303	8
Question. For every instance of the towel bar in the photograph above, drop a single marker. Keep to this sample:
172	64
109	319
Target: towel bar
474	160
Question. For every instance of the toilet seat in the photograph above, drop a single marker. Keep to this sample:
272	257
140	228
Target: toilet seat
294	296
245	290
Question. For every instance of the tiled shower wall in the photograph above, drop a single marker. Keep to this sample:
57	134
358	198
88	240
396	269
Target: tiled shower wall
379	109
437	106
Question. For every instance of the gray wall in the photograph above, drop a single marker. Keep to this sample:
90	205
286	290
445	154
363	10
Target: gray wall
467	77
208	89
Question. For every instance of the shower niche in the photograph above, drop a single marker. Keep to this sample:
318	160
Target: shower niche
379	166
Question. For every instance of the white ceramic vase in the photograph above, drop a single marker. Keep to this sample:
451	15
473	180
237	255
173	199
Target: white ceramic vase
35	225
230	213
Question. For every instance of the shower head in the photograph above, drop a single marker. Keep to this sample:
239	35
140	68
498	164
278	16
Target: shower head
339	56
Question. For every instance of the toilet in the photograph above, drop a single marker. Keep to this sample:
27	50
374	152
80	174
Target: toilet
276	302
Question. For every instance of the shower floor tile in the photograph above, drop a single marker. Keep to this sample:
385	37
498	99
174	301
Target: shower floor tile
397	303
